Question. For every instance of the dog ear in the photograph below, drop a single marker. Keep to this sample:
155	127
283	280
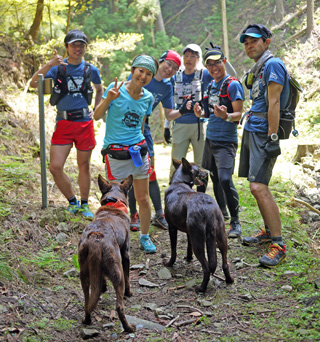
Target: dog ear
126	184
104	185
176	163
186	166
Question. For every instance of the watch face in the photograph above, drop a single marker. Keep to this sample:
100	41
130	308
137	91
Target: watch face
274	136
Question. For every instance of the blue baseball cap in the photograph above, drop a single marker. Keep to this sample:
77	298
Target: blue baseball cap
256	31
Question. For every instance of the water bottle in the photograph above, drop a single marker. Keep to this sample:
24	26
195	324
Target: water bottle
196	89
135	155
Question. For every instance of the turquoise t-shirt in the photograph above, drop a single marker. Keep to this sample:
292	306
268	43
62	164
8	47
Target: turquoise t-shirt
125	116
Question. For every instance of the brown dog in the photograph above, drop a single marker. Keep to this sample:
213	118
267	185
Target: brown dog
198	215
103	249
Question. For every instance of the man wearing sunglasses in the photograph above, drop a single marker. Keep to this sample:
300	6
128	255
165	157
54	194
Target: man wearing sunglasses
223	102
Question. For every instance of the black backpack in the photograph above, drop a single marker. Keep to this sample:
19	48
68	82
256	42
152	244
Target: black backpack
60	88
288	113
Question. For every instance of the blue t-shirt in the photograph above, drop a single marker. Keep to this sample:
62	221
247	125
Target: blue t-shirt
217	128
190	118
162	91
274	71
125	116
76	100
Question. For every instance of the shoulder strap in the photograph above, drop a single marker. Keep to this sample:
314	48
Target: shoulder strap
224	89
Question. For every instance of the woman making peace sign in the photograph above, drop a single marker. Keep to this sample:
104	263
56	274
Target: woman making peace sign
127	106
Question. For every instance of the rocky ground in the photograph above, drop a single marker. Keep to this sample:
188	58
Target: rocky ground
41	297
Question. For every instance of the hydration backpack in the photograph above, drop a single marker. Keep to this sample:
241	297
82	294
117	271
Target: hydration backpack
288	113
60	88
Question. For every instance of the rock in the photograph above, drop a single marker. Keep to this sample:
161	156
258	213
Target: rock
61	237
235	260
164	273
108	326
144	282
144	324
204	302
287	288
137	267
150	306
88	333
239	265
317	283
191	283
73	272
178	275
289	274
246	297
3	309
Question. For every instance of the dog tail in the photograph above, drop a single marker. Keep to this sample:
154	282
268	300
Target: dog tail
95	269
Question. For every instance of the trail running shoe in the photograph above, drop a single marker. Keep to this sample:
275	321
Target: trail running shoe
135	222
147	245
73	208
86	212
276	256
258	239
159	221
235	229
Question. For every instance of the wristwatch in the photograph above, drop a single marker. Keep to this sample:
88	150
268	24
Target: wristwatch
228	118
274	137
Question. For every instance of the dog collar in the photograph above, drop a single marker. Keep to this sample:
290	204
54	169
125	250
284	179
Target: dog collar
113	202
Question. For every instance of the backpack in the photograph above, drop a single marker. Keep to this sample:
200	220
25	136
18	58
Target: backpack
60	88
224	97
288	113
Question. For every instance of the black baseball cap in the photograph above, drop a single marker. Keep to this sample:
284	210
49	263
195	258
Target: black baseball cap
75	36
256	31
215	53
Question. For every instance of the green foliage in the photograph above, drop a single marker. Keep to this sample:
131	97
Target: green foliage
76	261
47	259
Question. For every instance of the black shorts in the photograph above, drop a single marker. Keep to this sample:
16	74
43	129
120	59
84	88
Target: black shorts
253	162
219	155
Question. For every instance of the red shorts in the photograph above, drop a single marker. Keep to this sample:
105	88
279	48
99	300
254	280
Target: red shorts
79	133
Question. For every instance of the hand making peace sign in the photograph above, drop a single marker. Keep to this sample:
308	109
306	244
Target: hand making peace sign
114	92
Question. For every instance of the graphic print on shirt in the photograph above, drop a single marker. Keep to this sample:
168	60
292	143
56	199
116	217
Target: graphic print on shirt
255	91
156	98
131	119
74	85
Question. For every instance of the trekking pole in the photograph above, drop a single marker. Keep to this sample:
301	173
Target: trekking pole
42	142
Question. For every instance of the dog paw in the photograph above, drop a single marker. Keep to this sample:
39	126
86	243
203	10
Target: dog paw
200	289
168	263
128	293
130	328
86	321
188	258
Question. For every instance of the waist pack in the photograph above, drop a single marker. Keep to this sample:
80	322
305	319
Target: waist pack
121	152
73	115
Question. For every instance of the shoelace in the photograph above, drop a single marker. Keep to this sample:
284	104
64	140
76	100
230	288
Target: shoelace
273	251
262	232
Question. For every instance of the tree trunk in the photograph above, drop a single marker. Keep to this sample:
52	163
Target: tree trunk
310	17
279	11
50	21
34	29
159	21
224	28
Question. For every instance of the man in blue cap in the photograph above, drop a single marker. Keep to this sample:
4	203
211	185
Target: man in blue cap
269	90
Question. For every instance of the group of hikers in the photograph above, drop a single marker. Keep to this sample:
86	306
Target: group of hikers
204	103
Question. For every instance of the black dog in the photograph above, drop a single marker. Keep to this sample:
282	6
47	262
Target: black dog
198	215
103	249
